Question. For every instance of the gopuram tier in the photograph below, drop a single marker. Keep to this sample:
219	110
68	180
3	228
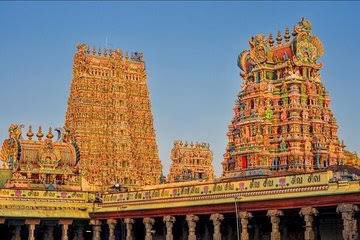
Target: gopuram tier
109	114
282	121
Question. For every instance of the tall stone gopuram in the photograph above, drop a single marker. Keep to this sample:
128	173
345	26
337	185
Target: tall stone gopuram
109	114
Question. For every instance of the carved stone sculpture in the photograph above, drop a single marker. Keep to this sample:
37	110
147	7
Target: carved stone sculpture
191	221
216	218
169	222
149	222
274	215
347	211
96	226
244	218
129	228
112	224
309	213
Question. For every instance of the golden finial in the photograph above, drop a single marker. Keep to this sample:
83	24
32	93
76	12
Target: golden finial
287	34
99	51
279	38
105	52
30	134
39	134
271	40
294	32
50	135
94	50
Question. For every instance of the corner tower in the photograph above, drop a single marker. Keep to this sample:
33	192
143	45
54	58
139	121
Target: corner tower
109	114
282	119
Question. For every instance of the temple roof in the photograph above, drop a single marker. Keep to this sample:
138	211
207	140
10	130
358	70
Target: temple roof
40	161
303	49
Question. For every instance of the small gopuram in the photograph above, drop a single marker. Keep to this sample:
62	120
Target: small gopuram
286	175
191	161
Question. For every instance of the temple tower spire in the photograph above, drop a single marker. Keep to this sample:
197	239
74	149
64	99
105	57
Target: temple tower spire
282	119
109	114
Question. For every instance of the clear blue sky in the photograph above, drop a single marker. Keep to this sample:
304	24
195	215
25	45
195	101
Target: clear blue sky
190	51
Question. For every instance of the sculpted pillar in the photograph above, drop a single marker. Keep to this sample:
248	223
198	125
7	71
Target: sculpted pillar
112	224
191	221
169	222
64	232
64	228
129	228
16	233
49	234
309	213
348	211
256	232
79	232
149	222
244	218
96	226
216	218
31	225
274	215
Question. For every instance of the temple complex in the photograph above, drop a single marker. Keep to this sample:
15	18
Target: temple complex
191	162
286	174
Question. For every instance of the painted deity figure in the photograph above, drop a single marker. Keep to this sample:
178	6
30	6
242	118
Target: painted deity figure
268	114
282	146
283	115
305	115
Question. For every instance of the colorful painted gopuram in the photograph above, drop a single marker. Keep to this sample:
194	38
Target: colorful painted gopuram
282	118
286	175
110	117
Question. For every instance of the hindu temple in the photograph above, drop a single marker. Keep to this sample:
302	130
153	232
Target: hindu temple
286	175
